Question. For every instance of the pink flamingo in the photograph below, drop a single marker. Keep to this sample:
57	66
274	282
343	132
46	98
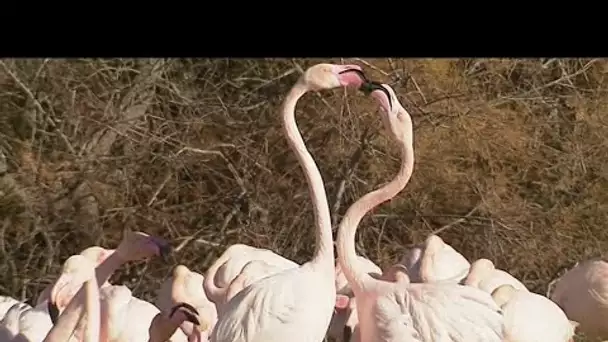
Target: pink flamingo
185	286
484	276
529	317
582	292
69	319
135	312
435	261
398	310
33	323
231	264
165	323
96	254
299	299
344	322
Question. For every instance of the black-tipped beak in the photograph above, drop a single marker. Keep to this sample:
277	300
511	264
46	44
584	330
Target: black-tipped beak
358	72
188	310
369	86
347	333
165	251
164	248
53	311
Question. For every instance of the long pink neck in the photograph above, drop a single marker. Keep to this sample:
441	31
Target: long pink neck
106	268
93	312
68	320
347	255
324	252
103	272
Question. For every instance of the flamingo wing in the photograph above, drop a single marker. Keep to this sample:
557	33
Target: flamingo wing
273	308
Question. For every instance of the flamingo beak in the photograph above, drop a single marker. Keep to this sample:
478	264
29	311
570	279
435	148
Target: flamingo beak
164	248
56	297
358	72
188	311
369	86
350	75
53	311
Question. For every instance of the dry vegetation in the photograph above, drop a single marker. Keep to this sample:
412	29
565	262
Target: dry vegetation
510	161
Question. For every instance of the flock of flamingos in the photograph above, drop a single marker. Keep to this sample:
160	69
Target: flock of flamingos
254	295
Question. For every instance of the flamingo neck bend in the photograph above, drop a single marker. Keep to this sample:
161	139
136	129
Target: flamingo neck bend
324	251
347	255
69	318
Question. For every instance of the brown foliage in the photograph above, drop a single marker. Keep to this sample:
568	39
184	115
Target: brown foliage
509	161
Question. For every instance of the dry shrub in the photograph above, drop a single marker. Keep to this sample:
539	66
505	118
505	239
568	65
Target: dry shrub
509	161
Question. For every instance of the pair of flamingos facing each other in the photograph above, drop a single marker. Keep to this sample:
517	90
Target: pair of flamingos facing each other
302	297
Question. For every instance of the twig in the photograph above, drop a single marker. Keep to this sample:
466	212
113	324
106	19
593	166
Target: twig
37	104
233	212
160	188
458	221
372	66
225	223
419	90
503	100
353	164
199	240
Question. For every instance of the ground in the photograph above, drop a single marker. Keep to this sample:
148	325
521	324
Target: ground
510	161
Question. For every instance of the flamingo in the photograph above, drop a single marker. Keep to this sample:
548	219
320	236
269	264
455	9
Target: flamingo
582	292
25	322
230	264
299	299
69	319
484	276
344	326
342	286
33	323
185	286
253	271
166	322
125	318
344	322
529	317
435	261
134	246
397	310
6	302
96	254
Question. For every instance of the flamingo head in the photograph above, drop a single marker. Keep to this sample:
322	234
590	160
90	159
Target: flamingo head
395	118
479	270
503	294
137	246
97	254
185	282
328	76
76	270
413	258
164	324
396	274
181	272
440	262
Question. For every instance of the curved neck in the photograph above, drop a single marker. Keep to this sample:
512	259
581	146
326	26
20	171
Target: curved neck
347	255
324	252
68	321
93	311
